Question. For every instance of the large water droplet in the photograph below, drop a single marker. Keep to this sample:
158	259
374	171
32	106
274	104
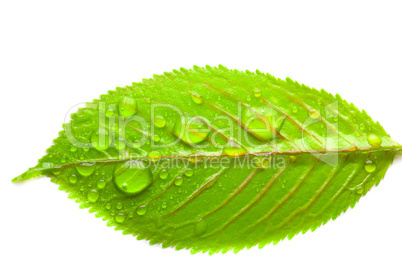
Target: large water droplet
93	195
191	130
127	107
85	169
100	139
200	227
132	177
374	140
370	166
141	210
263	123
196	97
160	121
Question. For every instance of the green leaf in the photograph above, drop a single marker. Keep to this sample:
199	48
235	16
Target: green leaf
214	159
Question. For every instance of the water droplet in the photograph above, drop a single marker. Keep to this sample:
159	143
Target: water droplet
295	110
362	127
73	178
93	195
164	205
370	166
248	98
119	144
85	169
191	130
189	172
234	150
101	184
110	110
132	177
359	190
156	137
196	97
374	140
257	93
127	107
120	217
263	123
141	210
178	181
73	148
119	206
154	155
315	114
100	139
200	227
160	121
108	206
163	174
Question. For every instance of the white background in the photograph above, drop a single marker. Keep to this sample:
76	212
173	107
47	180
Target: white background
55	54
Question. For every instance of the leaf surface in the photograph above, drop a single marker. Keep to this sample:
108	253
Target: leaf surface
214	159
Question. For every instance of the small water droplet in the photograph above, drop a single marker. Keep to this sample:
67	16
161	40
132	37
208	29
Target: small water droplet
73	148
154	155
108	206
248	98
100	139
234	150
164	205
196	97
85	169
370	166
200	227
163	174
295	110
156	137
93	196
362	127
315	114
178	181
189	172
374	140
101	184
127	107
263	123
120	217
191	130
257	93
141	210
132	177
119	206
119	144
160	121
73	178
359	190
